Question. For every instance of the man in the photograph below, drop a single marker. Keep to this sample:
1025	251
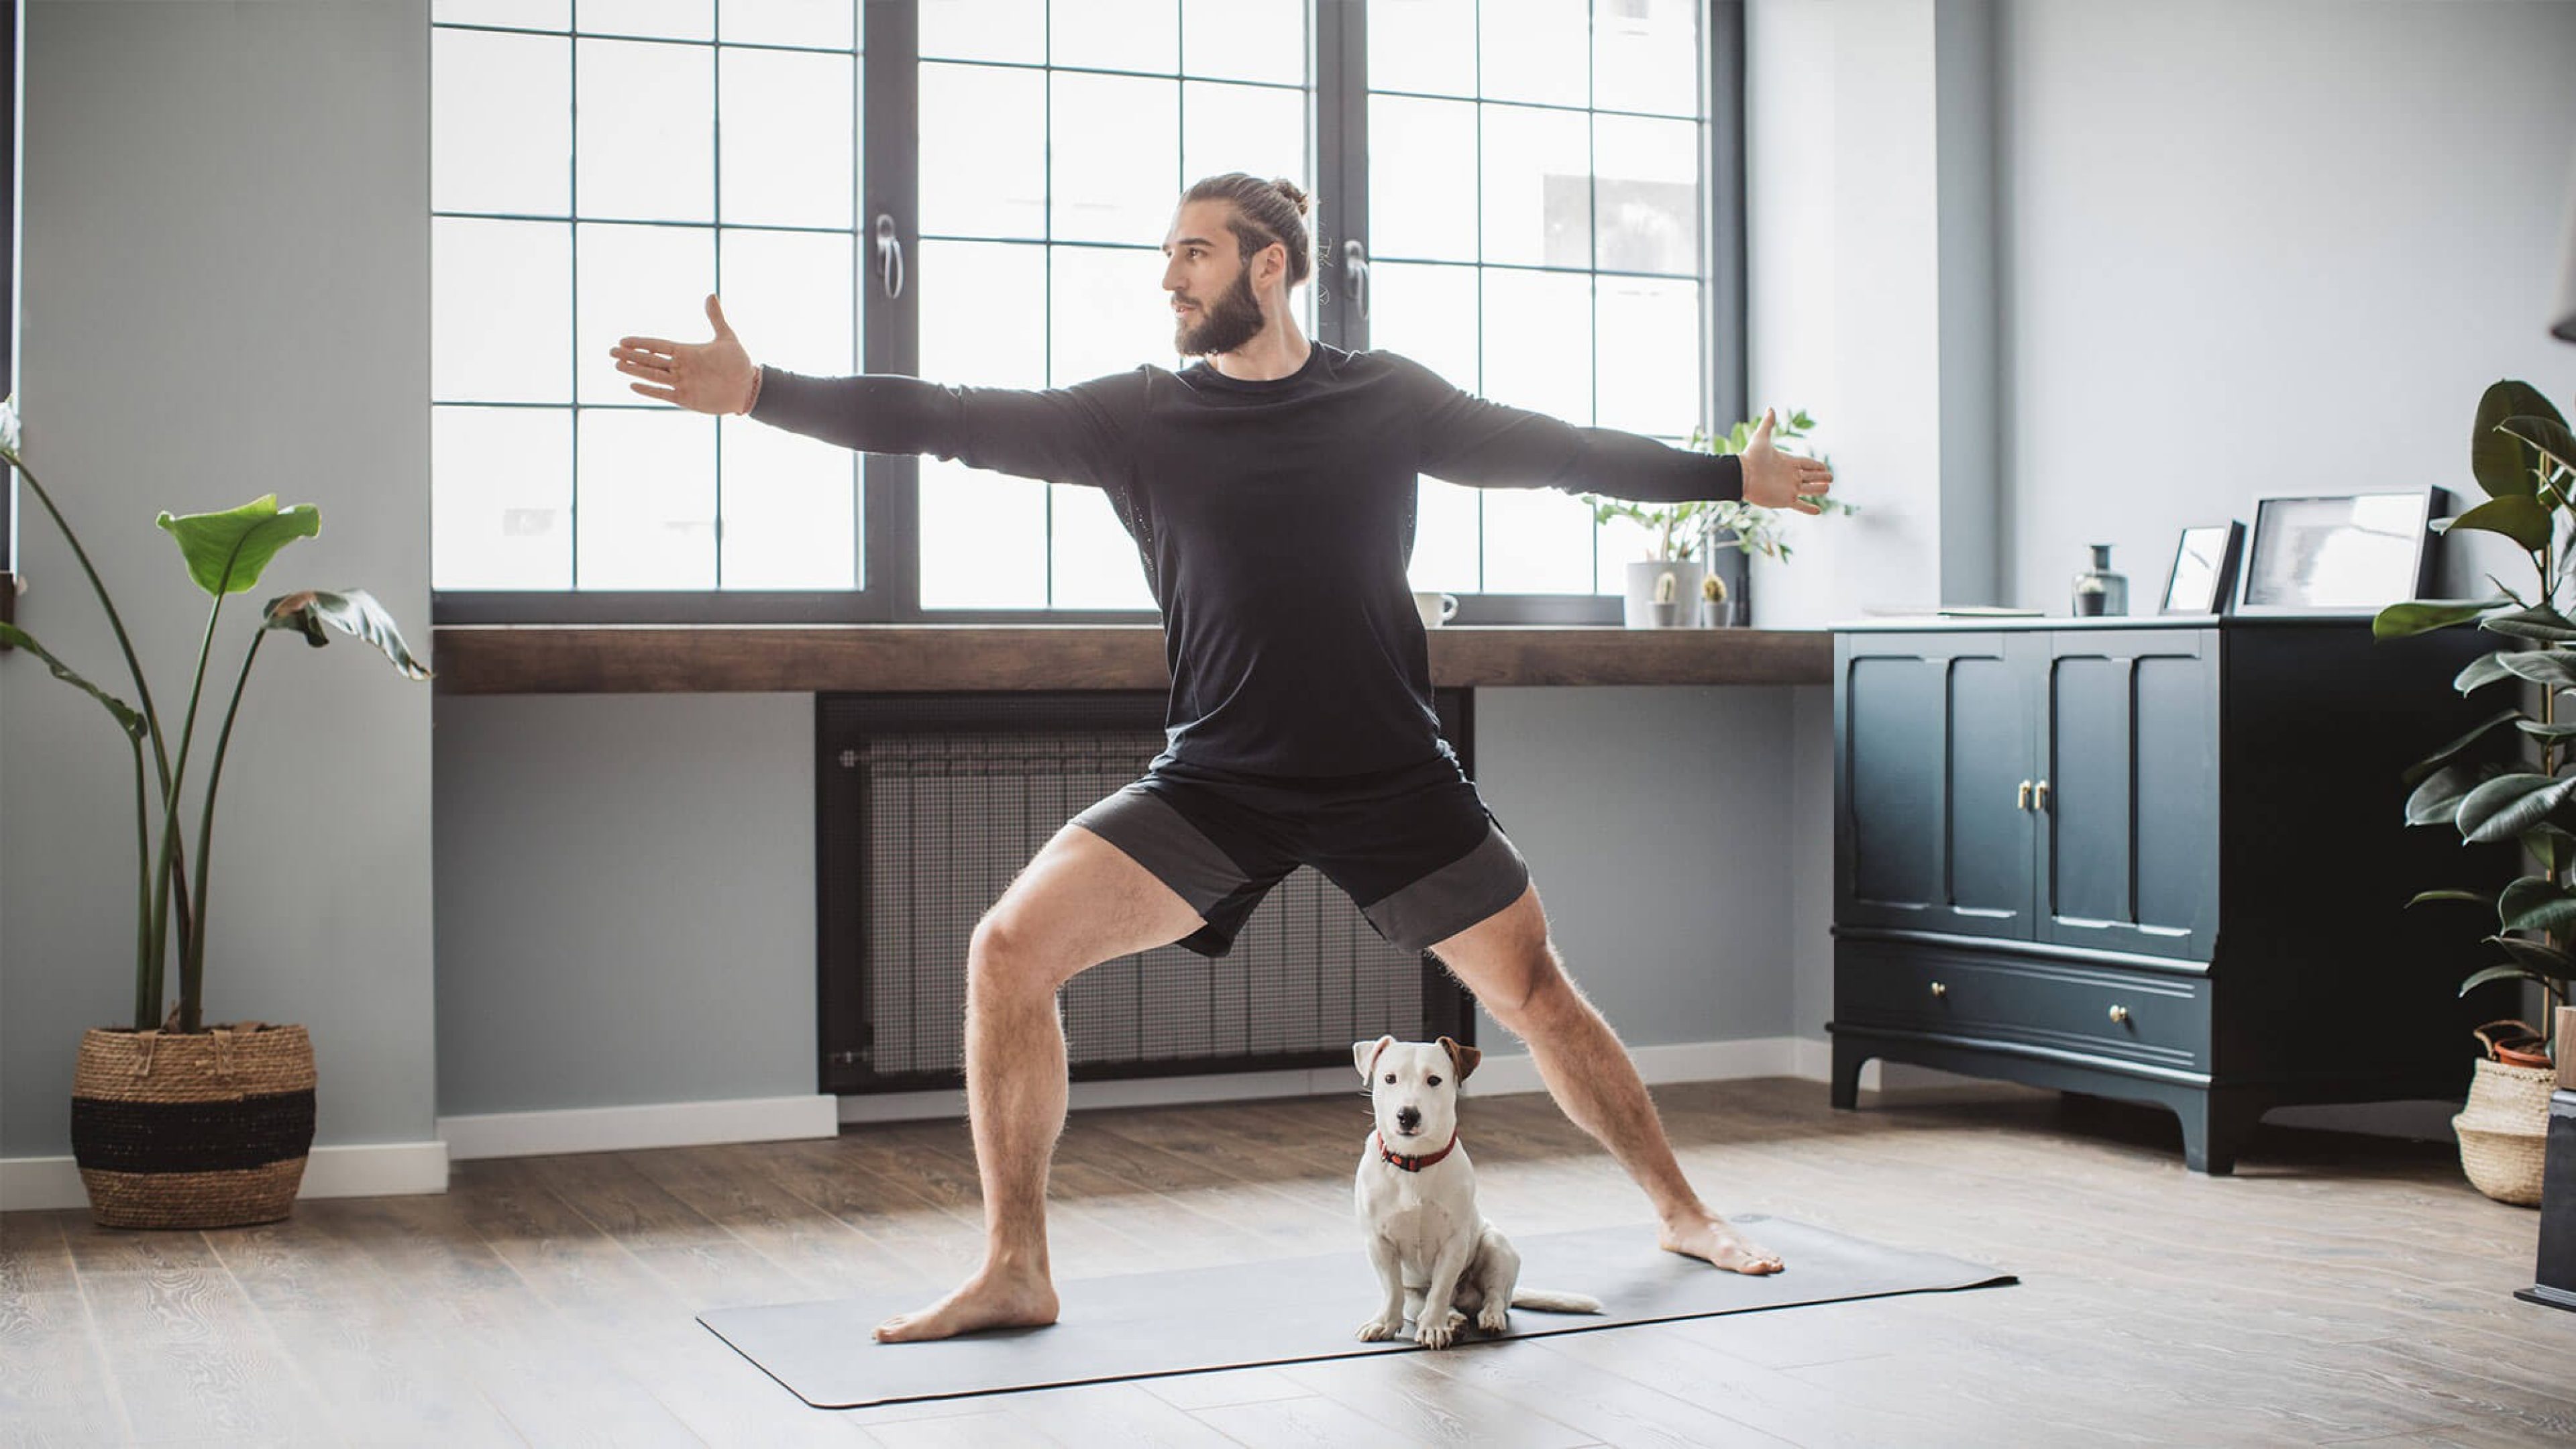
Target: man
1270	491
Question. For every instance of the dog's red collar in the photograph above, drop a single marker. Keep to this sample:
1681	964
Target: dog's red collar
1416	1164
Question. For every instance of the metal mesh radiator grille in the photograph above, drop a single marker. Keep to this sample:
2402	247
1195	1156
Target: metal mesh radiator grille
931	805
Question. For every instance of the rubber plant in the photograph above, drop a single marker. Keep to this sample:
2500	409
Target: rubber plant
1679	529
2524	460
225	554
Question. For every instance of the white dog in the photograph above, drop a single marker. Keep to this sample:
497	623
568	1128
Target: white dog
1437	1257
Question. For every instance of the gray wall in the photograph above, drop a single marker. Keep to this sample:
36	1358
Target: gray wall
226	291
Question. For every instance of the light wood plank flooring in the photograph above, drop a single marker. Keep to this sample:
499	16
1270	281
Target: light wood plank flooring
2337	1289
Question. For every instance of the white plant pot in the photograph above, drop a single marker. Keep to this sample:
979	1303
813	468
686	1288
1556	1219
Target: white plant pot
1643	577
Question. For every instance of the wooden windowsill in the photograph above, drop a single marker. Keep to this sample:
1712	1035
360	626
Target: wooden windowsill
832	658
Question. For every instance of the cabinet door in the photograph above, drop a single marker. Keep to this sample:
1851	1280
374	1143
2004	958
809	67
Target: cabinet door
1937	732
2128	838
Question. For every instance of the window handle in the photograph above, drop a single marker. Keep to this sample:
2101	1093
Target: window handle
1355	274
889	256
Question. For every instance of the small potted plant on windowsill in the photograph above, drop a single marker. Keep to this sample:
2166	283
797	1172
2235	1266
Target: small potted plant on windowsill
1681	533
176	1124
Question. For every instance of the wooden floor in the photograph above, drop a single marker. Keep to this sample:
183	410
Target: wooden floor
2337	1289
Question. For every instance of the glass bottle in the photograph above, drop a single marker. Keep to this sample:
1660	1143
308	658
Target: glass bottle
2099	591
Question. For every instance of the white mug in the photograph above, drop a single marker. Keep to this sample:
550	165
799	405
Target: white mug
1435	607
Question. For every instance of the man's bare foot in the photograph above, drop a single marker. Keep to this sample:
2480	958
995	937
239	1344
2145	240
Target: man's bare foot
1710	1238
993	1298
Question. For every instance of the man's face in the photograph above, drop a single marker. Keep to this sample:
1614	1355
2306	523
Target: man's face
1214	308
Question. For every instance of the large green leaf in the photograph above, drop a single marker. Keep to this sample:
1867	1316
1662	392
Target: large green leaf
2483	670
2481	898
2538	956
2437	800
226	551
2539	622
354	612
2518	516
2507	805
2416	772
2552	846
2533	904
2543	666
126	719
2502	463
2423	616
2500	973
2548	434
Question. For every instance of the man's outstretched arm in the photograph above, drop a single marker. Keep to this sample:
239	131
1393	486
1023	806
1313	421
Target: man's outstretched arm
1467	439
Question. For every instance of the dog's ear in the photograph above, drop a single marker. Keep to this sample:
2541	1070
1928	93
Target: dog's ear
1364	1054
1463	1058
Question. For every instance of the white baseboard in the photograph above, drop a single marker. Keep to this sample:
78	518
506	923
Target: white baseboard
659	1124
366	1169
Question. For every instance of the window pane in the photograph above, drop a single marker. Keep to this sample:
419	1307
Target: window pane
501	123
825	23
1645	56
790	510
1115	35
787	294
1255	129
502	481
1012	30
526	14
1444	538
1649	379
1427	313
1422	45
983	151
1258	40
1109	313
1538	342
501	324
1622	541
1422	192
645	128
646	508
1536	50
1537	541
1538	187
1648	195
983	539
1096	566
787	128
1115	149
638	281
983	313
668	19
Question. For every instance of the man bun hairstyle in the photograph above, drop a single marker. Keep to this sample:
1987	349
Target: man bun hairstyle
1264	212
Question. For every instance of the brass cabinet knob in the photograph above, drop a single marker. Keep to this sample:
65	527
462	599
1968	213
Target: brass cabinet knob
2120	1014
2025	795
1939	990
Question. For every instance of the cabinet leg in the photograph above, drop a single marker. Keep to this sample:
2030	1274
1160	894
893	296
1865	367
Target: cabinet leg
2214	1130
1849	1058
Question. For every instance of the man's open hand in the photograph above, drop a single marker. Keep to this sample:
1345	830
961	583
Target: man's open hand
704	377
1773	479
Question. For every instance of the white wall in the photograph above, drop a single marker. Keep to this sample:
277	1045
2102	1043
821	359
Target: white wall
226	291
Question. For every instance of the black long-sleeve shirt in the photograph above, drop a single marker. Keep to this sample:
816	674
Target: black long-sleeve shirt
1275	520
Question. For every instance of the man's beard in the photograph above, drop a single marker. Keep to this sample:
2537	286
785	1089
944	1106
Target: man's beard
1225	324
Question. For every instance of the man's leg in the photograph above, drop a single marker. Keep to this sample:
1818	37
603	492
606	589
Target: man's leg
1508	961
1082	901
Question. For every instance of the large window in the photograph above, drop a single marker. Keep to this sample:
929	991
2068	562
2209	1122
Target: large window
1514	192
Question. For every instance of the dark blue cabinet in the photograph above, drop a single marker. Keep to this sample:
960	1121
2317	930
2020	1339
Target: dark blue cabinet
2148	860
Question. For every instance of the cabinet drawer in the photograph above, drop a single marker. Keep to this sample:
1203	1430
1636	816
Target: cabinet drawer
2138	1016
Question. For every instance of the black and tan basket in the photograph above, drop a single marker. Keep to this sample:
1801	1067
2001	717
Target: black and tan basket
193	1130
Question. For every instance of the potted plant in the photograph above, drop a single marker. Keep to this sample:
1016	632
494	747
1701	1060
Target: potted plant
2524	459
1673	569
176	1124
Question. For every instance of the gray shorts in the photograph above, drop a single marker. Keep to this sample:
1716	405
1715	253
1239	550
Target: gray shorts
1415	849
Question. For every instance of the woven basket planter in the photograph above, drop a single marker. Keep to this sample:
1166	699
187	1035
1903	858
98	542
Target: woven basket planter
2503	1130
193	1130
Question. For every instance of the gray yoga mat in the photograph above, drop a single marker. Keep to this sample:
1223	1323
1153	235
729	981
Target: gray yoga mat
1290	1309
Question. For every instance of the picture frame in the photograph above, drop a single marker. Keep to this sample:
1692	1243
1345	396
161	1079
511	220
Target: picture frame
2339	553
2202	579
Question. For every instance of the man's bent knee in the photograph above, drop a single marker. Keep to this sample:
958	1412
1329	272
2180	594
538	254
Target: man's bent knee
1004	955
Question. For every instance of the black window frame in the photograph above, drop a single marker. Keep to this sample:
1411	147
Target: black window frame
12	46
889	44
